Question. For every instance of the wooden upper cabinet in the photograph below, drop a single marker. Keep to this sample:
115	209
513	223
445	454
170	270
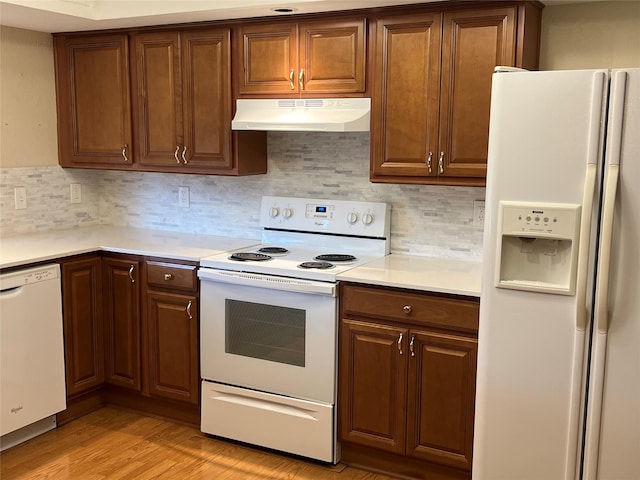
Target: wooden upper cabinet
93	101
474	43
430	114
302	59
404	126
184	99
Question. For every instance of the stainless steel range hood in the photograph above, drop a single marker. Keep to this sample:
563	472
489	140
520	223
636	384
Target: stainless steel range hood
303	115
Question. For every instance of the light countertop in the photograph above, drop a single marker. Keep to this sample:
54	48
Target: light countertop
37	247
458	277
439	275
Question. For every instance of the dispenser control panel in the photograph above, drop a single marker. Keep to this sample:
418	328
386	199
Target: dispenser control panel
556	220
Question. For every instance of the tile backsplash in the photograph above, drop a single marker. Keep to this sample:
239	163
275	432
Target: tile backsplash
425	220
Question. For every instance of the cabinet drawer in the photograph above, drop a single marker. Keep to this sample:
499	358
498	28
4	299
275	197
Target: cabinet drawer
171	275
408	307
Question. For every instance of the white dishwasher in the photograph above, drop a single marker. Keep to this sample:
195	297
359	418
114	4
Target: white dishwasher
32	380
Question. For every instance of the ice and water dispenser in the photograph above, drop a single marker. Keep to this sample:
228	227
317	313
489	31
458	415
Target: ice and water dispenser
538	247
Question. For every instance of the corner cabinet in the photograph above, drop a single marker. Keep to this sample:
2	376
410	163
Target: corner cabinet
430	116
121	280
183	105
93	101
302	59
407	369
83	326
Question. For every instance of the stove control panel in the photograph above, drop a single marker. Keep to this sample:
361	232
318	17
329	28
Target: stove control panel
368	219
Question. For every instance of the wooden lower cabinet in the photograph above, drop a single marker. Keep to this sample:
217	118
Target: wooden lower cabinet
121	275
172	328
83	326
131	335
406	384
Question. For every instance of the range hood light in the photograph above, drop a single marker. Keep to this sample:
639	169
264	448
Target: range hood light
303	115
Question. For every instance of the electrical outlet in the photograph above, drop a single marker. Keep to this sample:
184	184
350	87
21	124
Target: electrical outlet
183	196
76	193
478	213
20	197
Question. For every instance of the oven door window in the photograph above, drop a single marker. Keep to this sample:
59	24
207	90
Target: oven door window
266	332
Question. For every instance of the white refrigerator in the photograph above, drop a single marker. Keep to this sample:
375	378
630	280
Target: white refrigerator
558	383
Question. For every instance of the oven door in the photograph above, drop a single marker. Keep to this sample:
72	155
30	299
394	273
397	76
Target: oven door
267	333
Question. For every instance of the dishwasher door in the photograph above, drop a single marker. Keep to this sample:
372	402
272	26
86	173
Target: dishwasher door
32	379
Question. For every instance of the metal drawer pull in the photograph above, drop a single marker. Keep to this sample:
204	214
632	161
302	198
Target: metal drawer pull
131	268
124	153
301	79
291	73
413	337
175	154
407	309
189	310
441	163
184	151
168	276
400	344
429	162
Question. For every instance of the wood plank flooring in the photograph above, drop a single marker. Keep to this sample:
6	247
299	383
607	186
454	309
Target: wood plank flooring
116	444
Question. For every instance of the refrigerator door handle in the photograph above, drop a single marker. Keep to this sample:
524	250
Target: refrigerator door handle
583	246
593	154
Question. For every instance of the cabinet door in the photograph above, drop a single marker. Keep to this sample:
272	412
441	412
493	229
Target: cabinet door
268	62
83	327
159	101
173	346
332	57
207	98
442	373
93	101
373	385
404	134
474	42
121	281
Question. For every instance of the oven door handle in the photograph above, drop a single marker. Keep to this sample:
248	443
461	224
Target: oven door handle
267	281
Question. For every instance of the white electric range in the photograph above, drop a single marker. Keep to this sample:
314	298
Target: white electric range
269	323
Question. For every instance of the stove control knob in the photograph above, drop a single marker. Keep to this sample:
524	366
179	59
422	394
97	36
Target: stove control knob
274	212
367	219
287	212
352	218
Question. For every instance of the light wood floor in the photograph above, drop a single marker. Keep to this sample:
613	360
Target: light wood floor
115	444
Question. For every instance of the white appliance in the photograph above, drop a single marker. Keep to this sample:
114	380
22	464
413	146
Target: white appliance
303	115
558	384
268	324
32	380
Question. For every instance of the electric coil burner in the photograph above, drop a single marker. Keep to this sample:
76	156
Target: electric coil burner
268	323
249	257
335	257
273	250
318	265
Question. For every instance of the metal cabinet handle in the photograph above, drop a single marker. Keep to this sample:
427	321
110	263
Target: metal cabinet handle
124	153
301	79
175	154
184	152
429	162
131	269
189	310
441	163
291	73
413	338
407	309
168	276
400	344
